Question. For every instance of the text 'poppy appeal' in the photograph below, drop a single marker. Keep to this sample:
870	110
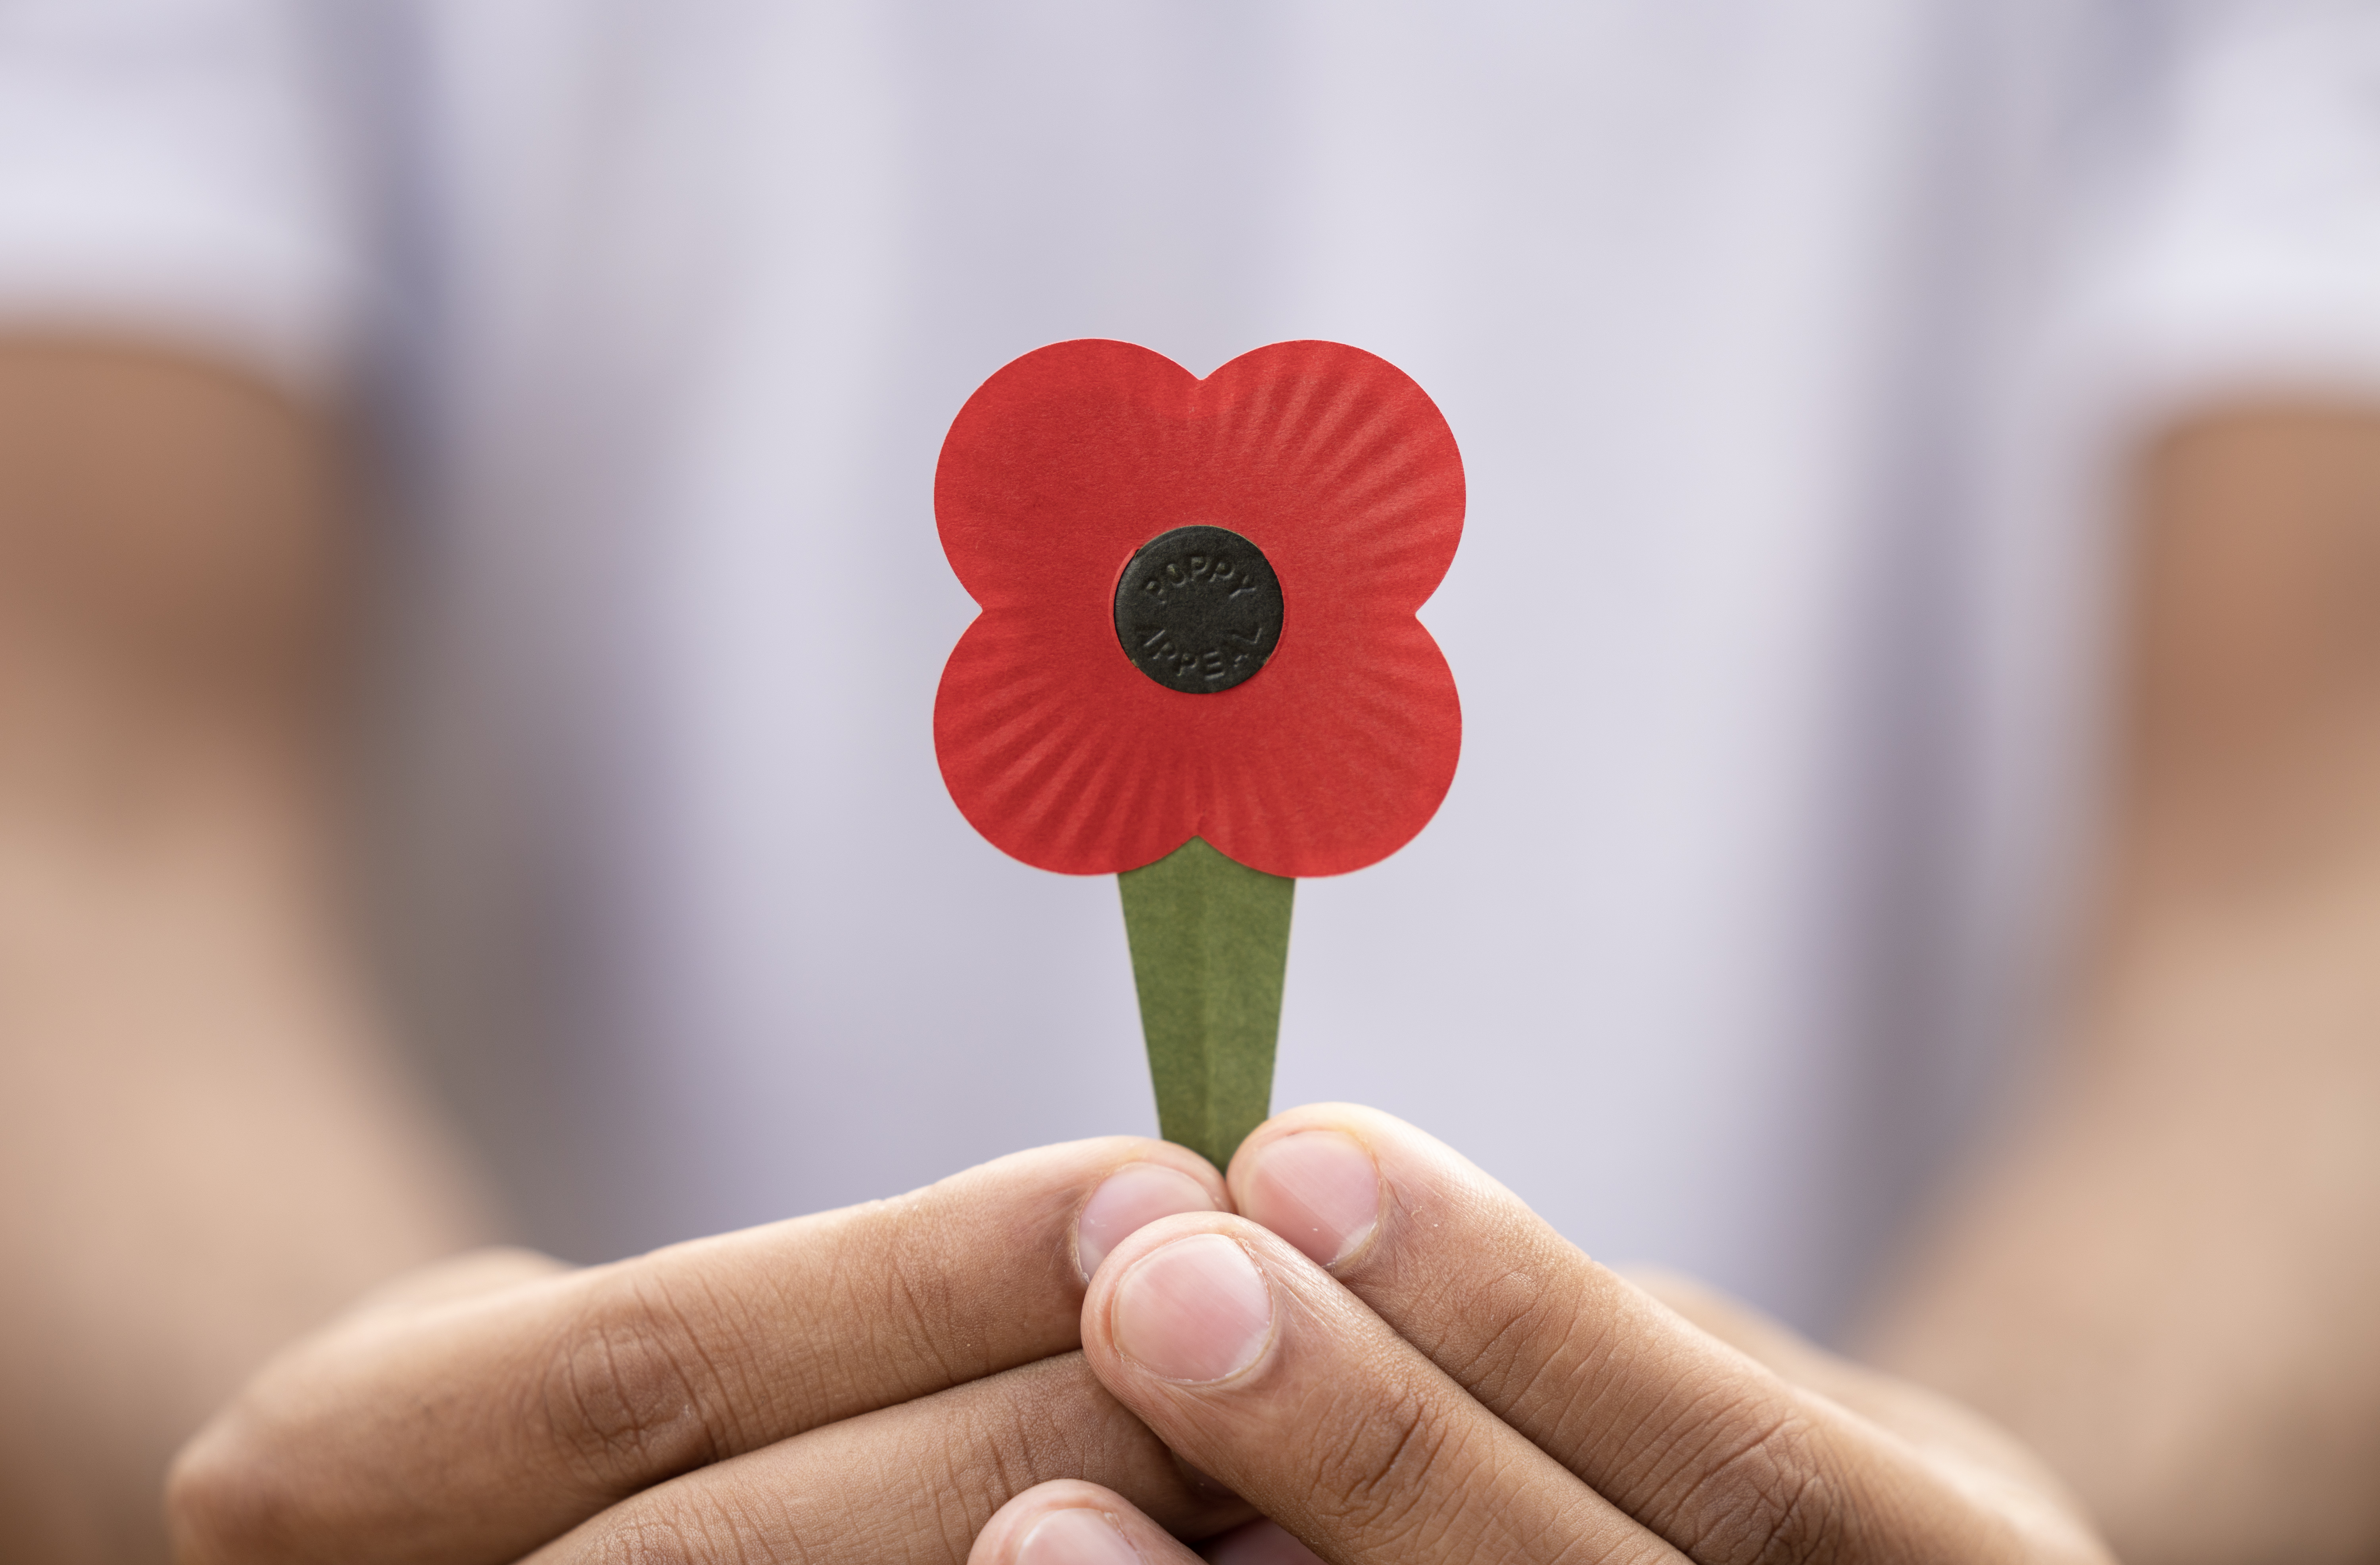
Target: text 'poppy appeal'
1198	601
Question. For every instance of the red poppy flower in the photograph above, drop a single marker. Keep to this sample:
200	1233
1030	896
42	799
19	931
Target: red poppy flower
1278	698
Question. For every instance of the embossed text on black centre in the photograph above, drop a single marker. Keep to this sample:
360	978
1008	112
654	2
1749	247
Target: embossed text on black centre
1198	609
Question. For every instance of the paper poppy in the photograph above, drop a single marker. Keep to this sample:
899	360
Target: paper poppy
1198	601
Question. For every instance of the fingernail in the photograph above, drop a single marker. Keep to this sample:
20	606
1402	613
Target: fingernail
1195	1310
1075	1536
1134	1196
1318	1189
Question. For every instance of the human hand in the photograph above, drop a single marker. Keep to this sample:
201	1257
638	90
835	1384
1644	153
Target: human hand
1460	1383
864	1384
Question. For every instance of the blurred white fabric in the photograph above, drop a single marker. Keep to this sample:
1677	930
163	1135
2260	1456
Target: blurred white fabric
1791	349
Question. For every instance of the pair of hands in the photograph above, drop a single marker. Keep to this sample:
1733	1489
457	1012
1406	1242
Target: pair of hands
1073	1356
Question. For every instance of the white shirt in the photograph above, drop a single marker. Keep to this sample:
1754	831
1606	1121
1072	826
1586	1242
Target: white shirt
1791	351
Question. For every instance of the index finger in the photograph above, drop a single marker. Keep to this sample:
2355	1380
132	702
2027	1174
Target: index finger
479	1428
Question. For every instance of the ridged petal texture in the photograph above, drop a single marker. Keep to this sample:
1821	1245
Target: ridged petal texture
1328	459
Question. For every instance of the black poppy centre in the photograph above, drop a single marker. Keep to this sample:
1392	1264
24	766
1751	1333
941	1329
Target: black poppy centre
1198	610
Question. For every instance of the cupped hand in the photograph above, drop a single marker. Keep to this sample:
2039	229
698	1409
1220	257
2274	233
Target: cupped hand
1395	1361
866	1384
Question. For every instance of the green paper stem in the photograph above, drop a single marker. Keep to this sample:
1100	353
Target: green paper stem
1209	941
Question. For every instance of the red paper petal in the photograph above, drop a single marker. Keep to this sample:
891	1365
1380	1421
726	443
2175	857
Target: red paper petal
1329	460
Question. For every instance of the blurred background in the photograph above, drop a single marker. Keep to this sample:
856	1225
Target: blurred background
473	602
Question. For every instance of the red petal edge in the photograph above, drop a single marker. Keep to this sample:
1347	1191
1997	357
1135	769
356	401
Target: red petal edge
1336	465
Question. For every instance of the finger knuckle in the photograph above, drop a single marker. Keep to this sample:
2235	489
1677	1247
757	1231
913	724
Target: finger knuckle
1777	1499
1385	1476
917	1301
746	1519
679	1536
1507	1321
629	1394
